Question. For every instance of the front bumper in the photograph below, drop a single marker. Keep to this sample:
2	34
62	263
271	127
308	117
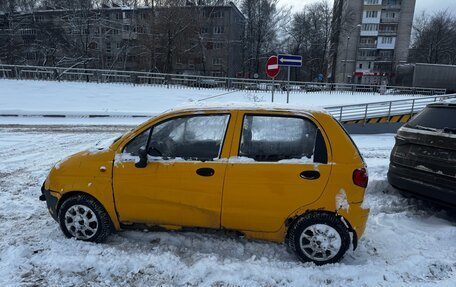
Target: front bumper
418	183
51	201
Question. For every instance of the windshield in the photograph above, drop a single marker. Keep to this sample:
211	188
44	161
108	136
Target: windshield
435	119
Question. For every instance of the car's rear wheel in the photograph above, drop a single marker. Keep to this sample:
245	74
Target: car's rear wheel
319	237
83	218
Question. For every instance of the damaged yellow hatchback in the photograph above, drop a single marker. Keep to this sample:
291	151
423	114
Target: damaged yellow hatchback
269	172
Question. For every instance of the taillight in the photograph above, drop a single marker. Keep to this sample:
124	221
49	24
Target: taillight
360	177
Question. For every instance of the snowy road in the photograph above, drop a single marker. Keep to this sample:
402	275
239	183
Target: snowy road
407	242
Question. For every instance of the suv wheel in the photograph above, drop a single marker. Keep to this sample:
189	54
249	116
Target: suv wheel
319	237
85	219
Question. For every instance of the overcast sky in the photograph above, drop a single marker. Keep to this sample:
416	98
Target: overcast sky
421	5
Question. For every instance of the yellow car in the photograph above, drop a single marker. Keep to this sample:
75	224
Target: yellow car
270	172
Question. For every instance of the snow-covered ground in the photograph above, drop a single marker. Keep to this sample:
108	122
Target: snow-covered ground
73	98
407	242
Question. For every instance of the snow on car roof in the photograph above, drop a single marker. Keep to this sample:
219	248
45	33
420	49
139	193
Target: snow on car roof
248	106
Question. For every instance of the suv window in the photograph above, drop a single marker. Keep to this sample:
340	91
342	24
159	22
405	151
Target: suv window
190	137
439	118
275	138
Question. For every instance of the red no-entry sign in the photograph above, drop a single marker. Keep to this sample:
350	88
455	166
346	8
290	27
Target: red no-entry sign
272	67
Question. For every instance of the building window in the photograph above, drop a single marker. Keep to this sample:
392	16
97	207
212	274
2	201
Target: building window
371	2
203	30
387	40
118	45
118	16
108	47
40	18
390	15
218	45
217	61
219	30
371	14
391	2
370	27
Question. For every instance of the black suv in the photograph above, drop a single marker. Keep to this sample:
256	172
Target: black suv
423	161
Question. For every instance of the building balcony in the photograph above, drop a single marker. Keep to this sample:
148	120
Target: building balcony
387	33
372	2
388	46
392	7
390	20
369	33
366	58
366	20
367	45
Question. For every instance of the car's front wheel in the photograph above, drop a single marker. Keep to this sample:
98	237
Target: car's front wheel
83	218
319	237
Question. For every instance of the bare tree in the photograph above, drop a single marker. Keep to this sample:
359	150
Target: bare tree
309	35
434	39
264	20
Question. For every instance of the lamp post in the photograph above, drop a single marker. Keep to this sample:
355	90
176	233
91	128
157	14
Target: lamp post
346	52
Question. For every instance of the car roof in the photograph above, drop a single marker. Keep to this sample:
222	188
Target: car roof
247	106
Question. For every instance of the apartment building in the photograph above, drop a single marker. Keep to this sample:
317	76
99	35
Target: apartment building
190	39
371	37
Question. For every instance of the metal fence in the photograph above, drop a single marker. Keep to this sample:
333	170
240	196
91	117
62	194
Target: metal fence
198	82
384	109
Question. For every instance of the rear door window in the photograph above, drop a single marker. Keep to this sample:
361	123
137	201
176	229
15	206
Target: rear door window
280	138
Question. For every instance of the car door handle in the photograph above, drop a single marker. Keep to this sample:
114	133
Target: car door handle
310	174
205	171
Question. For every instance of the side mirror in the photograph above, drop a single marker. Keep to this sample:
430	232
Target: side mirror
142	163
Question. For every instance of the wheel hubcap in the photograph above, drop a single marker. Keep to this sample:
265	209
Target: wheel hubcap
81	222
320	242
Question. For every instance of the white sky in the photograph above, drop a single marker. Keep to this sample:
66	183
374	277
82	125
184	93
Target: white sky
421	5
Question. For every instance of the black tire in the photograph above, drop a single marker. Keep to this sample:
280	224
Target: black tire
321	219
103	227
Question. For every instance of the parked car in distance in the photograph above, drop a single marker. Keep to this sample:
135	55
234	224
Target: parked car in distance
270	172
423	161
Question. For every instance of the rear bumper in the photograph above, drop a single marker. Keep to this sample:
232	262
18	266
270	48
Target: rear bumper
51	201
410	181
356	217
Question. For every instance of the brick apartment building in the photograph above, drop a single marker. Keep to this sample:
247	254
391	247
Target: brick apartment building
191	39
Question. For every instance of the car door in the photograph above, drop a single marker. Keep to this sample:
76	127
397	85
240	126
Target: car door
183	180
279	163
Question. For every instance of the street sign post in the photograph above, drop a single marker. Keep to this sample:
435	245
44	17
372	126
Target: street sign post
272	70
289	61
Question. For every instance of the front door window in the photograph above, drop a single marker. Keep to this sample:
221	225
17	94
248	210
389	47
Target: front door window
197	138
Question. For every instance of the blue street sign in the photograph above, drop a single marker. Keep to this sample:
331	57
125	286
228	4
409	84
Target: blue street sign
290	60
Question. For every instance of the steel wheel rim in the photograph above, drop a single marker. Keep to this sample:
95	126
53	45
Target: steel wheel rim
320	242
81	222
